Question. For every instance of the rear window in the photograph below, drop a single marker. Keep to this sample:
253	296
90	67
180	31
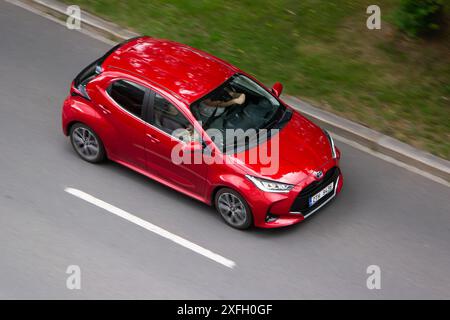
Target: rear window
128	95
88	73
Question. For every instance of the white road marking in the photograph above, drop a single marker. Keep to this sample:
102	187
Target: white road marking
151	227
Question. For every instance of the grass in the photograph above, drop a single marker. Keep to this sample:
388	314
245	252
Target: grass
321	51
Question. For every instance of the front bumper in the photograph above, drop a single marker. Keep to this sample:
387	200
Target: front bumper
283	207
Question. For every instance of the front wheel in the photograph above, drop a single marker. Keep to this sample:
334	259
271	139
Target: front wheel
233	208
86	143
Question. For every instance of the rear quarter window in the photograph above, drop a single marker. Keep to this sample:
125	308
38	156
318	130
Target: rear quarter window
128	95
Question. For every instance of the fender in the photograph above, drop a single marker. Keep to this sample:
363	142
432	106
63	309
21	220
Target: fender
78	109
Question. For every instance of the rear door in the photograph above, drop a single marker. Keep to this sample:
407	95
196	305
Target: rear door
123	105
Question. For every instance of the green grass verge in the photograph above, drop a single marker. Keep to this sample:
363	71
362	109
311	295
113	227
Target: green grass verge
321	51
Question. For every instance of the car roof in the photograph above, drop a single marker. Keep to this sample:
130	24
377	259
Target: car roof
185	72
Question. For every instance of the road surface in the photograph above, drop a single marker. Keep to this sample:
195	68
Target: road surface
385	216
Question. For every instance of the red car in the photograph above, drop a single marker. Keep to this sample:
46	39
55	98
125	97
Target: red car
154	105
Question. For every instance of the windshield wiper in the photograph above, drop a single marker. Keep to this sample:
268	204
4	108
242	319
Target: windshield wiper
287	115
275	119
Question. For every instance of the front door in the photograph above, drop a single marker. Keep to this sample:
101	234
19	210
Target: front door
165	121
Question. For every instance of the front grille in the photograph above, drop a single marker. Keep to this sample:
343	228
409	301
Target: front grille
301	203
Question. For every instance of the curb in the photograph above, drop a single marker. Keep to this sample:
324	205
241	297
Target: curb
374	140
345	128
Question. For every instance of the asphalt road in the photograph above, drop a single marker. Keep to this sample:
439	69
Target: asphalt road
385	216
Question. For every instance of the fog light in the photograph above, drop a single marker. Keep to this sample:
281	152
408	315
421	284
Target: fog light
271	217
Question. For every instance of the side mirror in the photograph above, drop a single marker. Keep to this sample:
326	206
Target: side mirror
192	147
277	89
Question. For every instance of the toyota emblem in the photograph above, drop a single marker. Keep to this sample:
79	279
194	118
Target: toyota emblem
318	174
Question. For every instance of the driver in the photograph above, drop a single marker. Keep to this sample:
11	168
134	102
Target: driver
208	106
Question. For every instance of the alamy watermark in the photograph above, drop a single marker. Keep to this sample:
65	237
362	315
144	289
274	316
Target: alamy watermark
250	146
73	21
73	281
373	282
374	20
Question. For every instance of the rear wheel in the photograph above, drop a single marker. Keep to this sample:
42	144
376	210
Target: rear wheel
86	143
233	208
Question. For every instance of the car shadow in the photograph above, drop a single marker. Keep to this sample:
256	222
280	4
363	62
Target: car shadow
156	187
204	209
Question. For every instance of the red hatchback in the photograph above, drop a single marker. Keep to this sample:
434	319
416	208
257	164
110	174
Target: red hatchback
204	128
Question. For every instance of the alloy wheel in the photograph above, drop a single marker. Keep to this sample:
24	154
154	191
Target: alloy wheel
232	209
85	143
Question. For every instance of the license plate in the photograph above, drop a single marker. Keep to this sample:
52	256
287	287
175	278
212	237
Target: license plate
321	194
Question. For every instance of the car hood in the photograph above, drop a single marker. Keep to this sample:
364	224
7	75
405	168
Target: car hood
302	149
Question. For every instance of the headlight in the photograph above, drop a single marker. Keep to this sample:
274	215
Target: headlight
333	147
270	186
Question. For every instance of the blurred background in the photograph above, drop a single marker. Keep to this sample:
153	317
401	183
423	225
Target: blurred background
395	80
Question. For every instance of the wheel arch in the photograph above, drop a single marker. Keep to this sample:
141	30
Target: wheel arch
99	133
76	110
216	189
69	126
229	181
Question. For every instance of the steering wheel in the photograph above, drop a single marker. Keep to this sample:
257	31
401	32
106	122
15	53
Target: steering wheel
231	109
232	115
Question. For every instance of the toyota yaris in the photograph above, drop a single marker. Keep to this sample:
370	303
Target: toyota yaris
205	128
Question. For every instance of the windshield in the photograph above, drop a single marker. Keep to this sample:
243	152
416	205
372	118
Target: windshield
240	103
242	107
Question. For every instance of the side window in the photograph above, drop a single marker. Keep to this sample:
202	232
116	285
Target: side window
128	95
168	118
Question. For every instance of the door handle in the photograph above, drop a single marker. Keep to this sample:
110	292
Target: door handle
152	138
104	109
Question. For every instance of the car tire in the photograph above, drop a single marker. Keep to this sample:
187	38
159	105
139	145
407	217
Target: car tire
233	208
87	143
